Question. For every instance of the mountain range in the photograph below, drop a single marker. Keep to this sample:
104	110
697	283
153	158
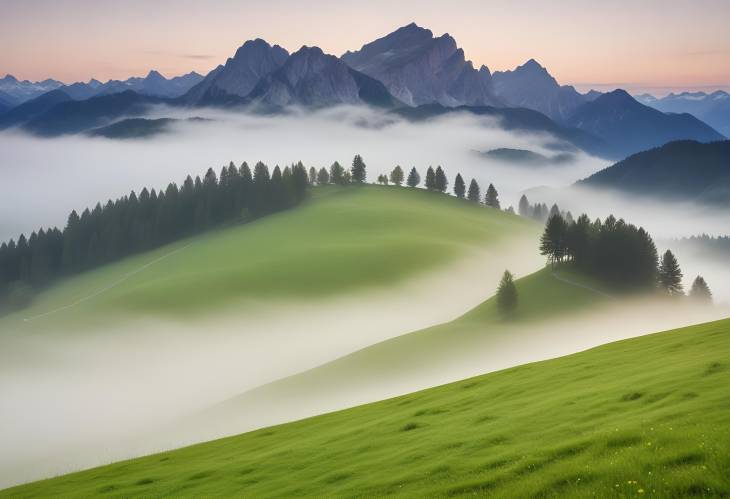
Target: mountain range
683	170
410	71
713	108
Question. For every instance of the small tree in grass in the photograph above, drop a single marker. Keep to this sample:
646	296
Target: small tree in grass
396	176
507	295
491	199
700	290
459	186
430	179
358	169
312	176
474	192
323	177
670	275
413	178
441	182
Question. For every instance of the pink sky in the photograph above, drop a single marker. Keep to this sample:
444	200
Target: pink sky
639	45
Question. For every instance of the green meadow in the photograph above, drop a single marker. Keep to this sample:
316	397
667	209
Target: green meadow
340	240
643	417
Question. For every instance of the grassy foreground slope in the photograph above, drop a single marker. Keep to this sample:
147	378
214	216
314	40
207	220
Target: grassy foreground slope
645	416
340	239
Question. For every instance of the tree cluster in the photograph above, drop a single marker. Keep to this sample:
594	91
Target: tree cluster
141	222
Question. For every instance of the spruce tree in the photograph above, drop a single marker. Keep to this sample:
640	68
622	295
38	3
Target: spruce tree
430	179
337	174
553	239
441	183
524	208
459	186
700	290
312	175
413	178
358	170
670	275
491	198
507	295
396	176
323	177
474	193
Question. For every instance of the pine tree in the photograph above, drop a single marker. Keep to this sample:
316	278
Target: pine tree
700	290
358	169
337	174
552	242
670	275
413	178
524	208
441	183
491	198
312	175
430	179
396	176
323	177
474	193
459	186
507	295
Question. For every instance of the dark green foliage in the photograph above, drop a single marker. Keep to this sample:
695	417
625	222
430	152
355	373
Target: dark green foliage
670	275
524	208
430	179
383	179
474	193
491	199
616	252
132	224
700	290
323	177
507	294
396	176
358	170
441	183
337	174
413	178
459	186
312	176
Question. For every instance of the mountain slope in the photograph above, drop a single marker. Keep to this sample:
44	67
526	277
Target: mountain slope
312	78
418	69
532	87
646	416
631	126
519	119
240	74
33	108
713	108
681	171
22	91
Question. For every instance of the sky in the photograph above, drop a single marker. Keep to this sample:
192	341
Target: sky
647	45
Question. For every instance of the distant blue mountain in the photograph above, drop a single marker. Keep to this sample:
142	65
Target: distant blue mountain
712	108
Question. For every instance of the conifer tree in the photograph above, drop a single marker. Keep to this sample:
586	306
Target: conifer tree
337	174
507	295
491	198
700	290
312	175
358	170
459	186
670	275
413	178
553	239
396	176
474	193
430	179
524	208
441	183
323	177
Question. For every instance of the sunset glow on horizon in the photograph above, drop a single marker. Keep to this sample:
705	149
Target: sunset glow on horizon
577	41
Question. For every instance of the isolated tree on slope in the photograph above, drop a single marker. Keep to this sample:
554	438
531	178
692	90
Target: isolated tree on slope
700	290
441	182
323	178
413	178
396	176
459	186
670	275
430	179
507	295
358	169
524	207
474	193
491	199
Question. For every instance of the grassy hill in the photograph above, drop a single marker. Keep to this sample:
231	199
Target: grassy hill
341	239
648	416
